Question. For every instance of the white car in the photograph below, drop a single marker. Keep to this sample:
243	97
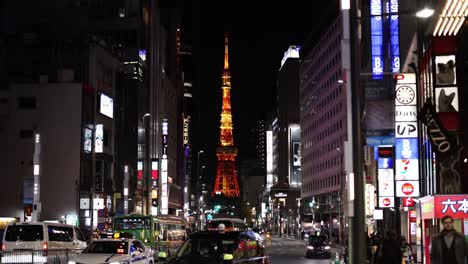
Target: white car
115	251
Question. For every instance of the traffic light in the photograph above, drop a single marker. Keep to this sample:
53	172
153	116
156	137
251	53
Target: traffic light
217	207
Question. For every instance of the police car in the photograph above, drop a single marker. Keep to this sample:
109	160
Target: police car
115	251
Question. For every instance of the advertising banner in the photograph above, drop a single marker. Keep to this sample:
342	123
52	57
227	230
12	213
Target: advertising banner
441	141
407	188
455	206
386	202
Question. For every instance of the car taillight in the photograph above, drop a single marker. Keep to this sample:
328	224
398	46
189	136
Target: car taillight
3	247
45	248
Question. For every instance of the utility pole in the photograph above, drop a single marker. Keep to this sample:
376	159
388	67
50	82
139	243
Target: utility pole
358	219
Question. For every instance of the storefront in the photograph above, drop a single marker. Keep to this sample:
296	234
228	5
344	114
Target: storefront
434	208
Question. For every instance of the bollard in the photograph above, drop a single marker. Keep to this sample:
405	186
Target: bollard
337	258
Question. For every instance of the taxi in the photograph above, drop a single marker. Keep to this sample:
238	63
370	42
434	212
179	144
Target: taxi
218	247
114	251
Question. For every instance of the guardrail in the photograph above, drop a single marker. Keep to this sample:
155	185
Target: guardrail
37	256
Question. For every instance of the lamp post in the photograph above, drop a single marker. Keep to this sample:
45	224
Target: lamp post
198	187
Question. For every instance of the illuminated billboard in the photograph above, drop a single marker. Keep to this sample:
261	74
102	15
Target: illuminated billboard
447	99
386	185
376	39
295	154
106	105
445	70
99	139
164	170
87	139
269	151
407	188
406	136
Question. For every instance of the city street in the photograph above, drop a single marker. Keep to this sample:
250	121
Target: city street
290	251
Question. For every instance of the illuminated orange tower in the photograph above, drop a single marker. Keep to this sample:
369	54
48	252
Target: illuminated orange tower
226	174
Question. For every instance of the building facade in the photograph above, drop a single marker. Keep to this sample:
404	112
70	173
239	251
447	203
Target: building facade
323	126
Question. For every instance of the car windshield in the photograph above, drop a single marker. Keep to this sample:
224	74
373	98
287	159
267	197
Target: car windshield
107	247
317	240
207	247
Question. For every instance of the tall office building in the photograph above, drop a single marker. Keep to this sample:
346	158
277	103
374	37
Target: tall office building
323	125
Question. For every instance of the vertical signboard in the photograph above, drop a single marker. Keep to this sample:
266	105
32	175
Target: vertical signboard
269	159
406	136
186	132
376	39
386	184
295	154
99	139
394	37
164	170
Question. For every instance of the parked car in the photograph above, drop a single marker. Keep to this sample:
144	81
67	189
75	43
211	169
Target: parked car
213	247
114	251
318	246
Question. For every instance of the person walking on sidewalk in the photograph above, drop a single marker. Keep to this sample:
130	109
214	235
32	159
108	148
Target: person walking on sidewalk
449	246
391	253
406	253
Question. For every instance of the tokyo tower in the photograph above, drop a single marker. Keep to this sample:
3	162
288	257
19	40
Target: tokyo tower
226	174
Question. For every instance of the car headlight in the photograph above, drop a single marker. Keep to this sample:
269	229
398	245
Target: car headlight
71	262
326	247
310	247
114	263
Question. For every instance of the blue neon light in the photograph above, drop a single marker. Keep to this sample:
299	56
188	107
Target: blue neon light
376	39
394	37
385	163
406	148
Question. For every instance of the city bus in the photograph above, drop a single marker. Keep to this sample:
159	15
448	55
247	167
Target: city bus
163	231
230	224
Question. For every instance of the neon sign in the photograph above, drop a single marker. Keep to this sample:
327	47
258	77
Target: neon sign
376	39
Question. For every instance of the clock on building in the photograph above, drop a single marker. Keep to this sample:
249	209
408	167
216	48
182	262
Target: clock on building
405	95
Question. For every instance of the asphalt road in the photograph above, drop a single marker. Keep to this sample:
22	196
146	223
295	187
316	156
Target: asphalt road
291	251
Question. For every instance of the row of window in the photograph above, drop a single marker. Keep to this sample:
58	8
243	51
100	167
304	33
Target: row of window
330	181
332	146
330	130
323	166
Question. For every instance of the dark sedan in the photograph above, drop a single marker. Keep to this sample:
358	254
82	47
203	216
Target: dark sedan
318	246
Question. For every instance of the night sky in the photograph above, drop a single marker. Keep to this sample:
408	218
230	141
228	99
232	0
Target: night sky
259	34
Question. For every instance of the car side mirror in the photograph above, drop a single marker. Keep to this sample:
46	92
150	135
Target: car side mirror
228	257
162	255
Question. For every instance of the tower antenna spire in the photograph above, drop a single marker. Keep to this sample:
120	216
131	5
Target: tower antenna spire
226	173
226	51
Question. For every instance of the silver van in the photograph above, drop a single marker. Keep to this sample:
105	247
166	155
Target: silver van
42	236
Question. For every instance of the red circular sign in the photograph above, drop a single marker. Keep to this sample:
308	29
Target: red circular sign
386	201
407	188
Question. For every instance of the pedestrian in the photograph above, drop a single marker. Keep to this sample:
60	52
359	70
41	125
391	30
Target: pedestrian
406	253
376	243
391	253
449	246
